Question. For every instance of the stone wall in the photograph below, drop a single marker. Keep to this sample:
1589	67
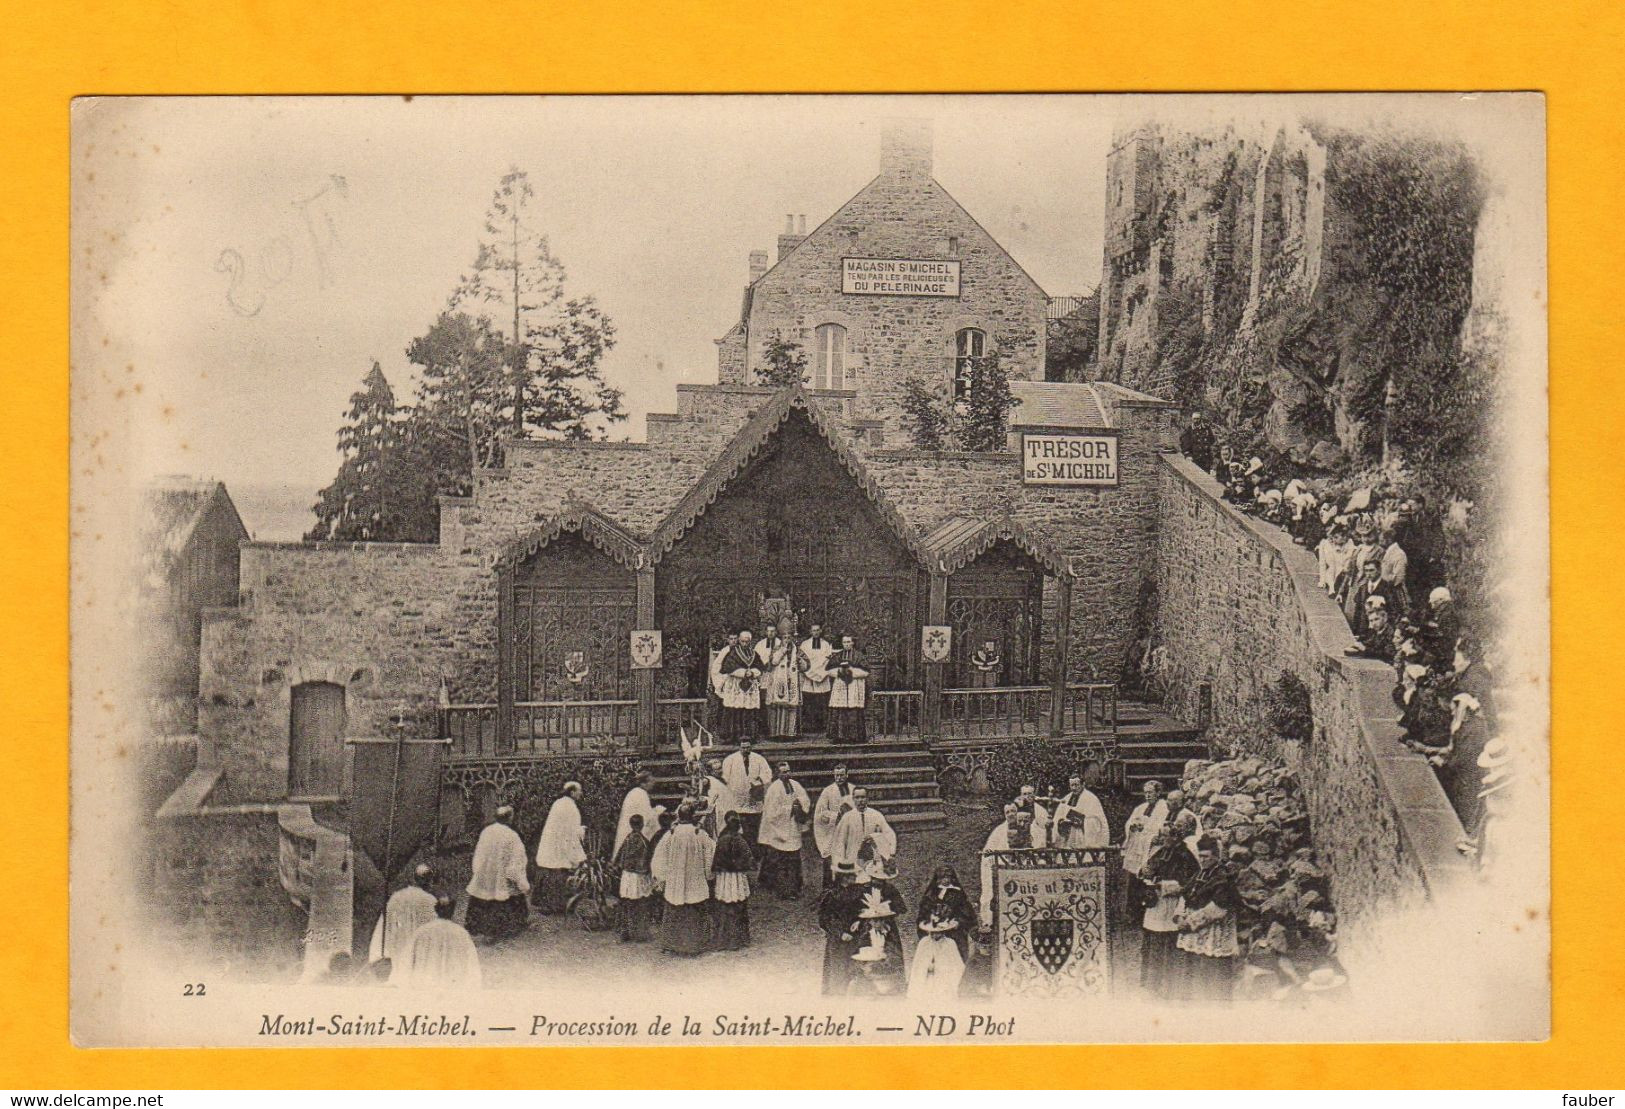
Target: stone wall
1223	216
903	213
215	893
1238	603
385	621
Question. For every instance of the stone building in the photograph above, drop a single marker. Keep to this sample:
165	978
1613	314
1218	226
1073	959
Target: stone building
958	296
527	632
746	502
189	542
1199	226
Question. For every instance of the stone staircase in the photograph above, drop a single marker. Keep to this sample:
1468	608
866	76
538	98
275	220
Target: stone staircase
1153	745
898	773
901	776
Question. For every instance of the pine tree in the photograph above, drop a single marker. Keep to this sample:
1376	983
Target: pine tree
368	499
556	344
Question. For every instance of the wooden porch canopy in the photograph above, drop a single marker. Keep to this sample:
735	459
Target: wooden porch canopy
960	540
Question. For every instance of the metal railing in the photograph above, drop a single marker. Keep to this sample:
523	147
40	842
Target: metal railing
895	712
585	727
1005	712
541	728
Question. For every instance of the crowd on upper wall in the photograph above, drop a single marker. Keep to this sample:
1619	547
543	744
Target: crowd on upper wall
1379	549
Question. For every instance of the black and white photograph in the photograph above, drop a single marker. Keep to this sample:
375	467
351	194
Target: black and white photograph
861	570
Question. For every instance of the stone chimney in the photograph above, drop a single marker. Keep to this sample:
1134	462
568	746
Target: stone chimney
758	265
905	151
791	237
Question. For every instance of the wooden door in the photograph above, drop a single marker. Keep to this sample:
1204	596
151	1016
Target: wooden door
316	740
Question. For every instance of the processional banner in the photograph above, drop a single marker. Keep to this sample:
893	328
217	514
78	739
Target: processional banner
1052	928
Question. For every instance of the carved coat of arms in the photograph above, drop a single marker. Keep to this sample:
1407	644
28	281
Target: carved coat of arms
936	642
646	650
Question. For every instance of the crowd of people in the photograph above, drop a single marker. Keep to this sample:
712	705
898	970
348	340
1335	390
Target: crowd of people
1379	556
685	878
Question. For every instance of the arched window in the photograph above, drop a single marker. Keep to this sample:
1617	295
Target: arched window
829	357
970	345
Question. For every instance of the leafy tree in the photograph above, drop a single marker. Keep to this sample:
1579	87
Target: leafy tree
459	420
371	496
786	364
984	411
556	344
927	423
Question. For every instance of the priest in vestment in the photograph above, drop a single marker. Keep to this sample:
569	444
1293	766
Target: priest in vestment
1158	884
407	910
741	690
1027	801
782	663
815	681
1016	833
498	881
833	803
746	775
439	956
1207	927
636	803
863	825
682	865
560	850
786	812
849	694
1143	825
1080	818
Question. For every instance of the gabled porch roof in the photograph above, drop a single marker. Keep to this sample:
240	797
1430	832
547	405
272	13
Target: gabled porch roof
746	444
960	540
593	526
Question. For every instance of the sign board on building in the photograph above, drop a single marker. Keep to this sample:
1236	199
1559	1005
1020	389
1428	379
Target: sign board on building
1068	458
1051	924
914	277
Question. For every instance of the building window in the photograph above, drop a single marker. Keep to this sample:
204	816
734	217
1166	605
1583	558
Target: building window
829	357
953	246
970	345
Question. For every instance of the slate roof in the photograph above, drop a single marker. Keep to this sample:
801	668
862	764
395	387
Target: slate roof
1057	404
747	443
172	508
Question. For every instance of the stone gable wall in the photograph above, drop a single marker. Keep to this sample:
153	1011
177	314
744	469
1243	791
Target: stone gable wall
1238	603
892	337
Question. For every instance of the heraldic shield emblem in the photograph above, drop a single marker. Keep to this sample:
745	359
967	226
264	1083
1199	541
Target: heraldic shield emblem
646	650
1052	941
936	642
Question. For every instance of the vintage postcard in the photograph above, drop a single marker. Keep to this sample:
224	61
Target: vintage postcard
809	570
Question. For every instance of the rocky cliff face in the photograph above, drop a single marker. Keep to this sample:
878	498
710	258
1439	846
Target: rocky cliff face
1307	285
